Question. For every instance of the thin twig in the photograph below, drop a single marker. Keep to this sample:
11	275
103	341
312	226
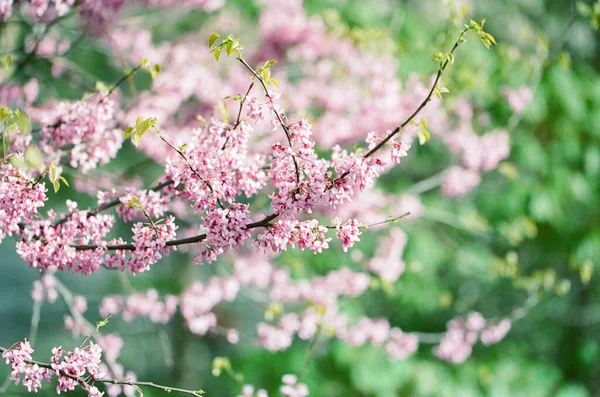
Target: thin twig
414	113
389	220
239	115
284	126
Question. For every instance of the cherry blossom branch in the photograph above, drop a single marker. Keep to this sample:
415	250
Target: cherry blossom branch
265	222
427	98
242	102
416	112
114	203
122	80
168	389
283	125
190	166
389	220
239	115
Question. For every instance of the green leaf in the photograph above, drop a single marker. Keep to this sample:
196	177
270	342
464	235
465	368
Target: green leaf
155	70
211	40
4	145
222	108
134	202
141	125
229	48
217	53
101	87
62	178
53	175
423	136
33	157
422	132
23	122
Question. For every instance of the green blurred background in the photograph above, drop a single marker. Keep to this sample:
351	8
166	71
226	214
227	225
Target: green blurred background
534	222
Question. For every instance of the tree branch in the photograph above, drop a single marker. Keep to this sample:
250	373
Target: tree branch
196	393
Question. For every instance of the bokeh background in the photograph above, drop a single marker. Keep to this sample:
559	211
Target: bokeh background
532	224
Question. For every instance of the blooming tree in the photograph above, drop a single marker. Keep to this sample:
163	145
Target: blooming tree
254	162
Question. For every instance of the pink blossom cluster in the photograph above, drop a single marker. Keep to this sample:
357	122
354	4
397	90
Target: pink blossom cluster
399	148
355	173
48	244
457	344
70	370
154	203
87	126
20	359
20	198
289	232
148	305
76	364
208	177
226	230
296	171
348	232
150	243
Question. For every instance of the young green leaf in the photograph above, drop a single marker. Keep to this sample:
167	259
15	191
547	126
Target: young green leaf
23	122
213	37
33	157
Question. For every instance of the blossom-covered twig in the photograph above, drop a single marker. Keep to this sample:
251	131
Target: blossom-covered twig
48	366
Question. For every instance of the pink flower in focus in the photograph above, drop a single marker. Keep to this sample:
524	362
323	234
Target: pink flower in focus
348	232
